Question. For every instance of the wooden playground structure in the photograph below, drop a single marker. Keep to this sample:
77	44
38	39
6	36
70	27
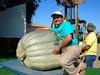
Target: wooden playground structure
71	12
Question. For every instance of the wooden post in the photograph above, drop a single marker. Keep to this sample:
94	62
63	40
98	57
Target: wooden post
70	11
76	19
65	14
75	2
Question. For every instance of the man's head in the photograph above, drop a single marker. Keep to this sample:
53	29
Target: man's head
57	17
91	27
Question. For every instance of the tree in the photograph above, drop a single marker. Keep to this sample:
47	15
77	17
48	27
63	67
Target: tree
31	6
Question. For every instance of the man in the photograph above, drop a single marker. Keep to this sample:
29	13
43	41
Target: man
89	48
67	41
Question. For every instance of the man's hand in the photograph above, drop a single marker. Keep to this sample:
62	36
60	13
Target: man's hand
56	50
85	48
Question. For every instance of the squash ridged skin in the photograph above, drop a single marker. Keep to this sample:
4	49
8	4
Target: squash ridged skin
37	47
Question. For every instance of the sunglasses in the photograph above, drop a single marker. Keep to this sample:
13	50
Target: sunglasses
56	17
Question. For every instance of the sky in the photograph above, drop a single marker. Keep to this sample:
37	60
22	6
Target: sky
89	11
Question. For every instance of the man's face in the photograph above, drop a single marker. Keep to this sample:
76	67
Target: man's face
57	19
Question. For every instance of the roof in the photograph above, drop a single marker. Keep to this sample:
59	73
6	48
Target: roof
4	4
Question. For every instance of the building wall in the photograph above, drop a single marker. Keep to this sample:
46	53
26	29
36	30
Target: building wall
12	22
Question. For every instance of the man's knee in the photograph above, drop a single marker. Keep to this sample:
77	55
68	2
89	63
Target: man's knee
64	63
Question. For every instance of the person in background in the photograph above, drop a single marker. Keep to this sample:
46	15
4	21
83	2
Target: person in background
89	48
67	41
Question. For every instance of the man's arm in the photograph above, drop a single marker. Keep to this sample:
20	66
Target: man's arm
85	48
44	28
41	27
66	41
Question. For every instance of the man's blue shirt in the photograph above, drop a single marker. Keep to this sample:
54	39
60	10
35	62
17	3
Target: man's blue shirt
63	30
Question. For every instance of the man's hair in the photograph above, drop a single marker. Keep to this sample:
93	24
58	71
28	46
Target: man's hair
91	27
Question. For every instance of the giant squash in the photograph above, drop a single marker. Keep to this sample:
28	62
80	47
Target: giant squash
35	50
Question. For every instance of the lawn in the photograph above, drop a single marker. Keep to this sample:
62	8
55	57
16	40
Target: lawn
5	71
92	71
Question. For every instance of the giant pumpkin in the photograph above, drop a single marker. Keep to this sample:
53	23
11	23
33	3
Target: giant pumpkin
35	50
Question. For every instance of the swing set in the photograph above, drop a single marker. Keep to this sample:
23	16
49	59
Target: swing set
71	14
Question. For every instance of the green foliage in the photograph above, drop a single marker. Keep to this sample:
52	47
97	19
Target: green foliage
92	71
31	6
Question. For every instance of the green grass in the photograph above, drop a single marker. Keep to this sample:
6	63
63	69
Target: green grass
89	71
6	59
5	71
92	71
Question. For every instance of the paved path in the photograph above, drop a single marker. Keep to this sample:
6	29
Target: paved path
97	62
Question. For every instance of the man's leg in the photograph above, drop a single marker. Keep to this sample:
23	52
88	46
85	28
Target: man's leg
89	60
68	58
81	68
